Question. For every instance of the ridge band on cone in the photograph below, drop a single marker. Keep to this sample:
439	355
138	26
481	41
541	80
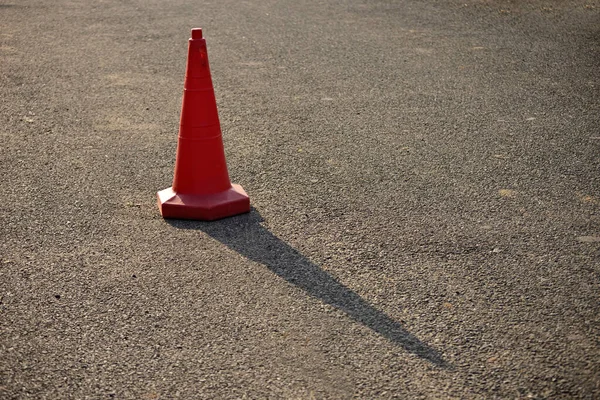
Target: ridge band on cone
201	187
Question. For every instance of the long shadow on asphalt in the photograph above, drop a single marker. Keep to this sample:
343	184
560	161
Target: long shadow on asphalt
246	235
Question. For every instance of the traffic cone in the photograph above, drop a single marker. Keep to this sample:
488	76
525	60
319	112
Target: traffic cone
201	187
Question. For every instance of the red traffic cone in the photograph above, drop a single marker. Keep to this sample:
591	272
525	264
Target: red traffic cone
201	187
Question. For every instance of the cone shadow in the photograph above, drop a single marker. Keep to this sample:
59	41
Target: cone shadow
245	234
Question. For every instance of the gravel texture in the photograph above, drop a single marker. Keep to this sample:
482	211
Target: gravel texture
425	184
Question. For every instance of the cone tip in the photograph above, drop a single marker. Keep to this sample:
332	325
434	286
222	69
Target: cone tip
197	33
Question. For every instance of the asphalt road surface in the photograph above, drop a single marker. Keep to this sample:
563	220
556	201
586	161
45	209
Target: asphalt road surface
425	184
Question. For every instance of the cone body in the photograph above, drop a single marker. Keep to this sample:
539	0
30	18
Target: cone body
201	187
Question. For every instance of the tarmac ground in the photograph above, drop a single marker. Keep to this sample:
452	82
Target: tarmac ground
425	187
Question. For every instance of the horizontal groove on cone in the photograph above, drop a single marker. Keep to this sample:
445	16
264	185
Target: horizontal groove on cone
201	139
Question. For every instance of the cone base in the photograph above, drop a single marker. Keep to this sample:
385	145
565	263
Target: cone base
206	207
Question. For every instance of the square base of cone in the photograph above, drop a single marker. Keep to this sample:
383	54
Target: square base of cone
205	207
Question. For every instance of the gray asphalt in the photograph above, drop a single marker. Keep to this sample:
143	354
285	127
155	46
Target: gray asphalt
425	187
